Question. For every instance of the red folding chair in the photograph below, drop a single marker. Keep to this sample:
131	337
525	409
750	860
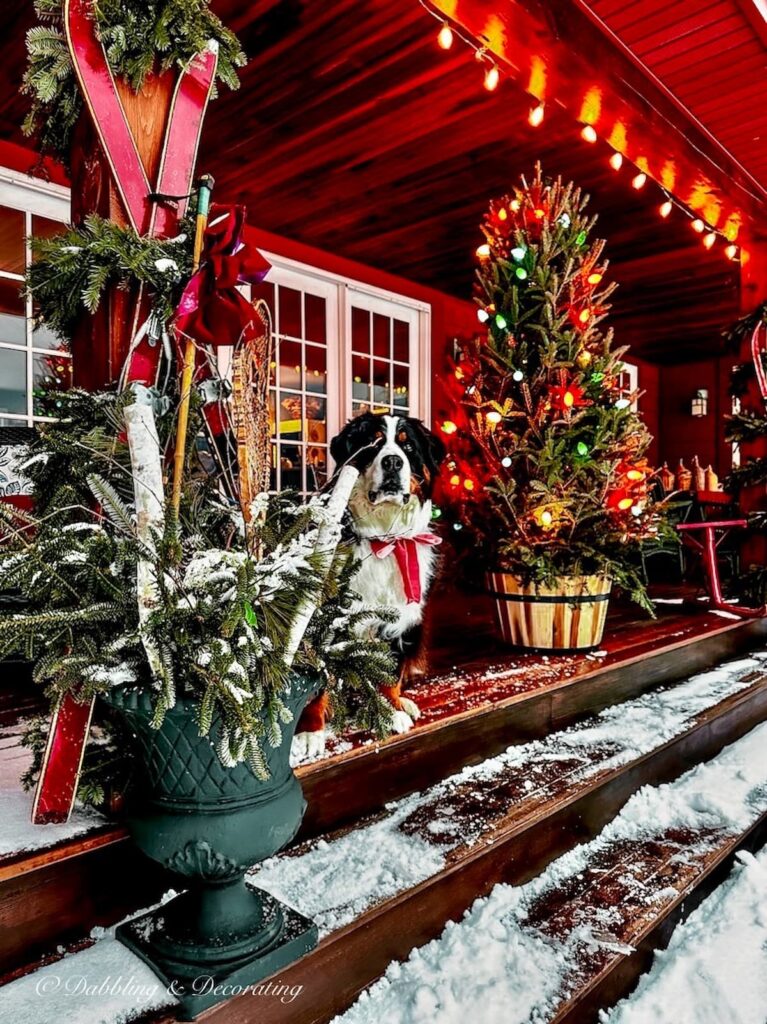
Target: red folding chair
707	548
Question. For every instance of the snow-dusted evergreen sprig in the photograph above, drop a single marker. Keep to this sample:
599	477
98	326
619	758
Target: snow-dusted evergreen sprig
70	271
217	625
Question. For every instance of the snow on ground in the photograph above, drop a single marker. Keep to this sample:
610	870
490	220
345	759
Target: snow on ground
104	984
715	968
335	881
491	964
18	833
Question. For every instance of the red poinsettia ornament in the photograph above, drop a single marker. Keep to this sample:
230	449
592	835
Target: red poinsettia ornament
566	397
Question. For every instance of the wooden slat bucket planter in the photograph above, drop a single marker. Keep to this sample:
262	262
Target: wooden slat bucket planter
569	616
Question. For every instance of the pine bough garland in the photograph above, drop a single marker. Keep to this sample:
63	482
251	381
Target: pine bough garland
139	36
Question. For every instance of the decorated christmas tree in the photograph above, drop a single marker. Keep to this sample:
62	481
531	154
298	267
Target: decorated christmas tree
547	476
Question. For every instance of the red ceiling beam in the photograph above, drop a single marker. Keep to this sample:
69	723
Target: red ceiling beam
551	48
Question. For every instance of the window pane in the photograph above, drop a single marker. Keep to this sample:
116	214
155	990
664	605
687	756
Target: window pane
316	468
290	418
290	312
401	390
315	318
11	300
381	389
360	330
43	227
315	361
11	240
290	364
264	290
13	381
290	467
401	341
43	337
361	378
50	373
316	419
13	329
381	329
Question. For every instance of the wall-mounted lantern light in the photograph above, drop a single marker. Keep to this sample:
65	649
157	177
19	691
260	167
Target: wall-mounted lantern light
699	405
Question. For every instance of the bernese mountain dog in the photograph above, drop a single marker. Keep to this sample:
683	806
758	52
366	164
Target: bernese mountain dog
389	527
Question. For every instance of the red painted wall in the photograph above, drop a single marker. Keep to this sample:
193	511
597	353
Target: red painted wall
683	435
27	161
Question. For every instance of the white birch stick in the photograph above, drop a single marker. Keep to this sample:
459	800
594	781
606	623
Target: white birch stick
328	536
146	465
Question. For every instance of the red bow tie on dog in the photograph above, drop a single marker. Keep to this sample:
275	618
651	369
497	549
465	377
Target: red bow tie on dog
406	552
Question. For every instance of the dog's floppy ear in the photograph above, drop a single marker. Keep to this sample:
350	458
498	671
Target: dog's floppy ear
432	447
356	435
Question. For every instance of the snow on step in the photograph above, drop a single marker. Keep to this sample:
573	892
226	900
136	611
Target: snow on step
337	880
502	959
715	967
334	881
18	834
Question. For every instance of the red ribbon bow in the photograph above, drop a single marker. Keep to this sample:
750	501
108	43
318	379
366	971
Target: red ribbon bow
406	552
211	309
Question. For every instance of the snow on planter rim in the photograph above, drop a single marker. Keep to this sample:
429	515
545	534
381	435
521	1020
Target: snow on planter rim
335	881
492	964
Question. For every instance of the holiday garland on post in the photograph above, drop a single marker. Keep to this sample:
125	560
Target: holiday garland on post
546	476
154	35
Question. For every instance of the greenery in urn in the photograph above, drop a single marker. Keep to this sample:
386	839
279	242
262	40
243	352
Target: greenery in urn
219	624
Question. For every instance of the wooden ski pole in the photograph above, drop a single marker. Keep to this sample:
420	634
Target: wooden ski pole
187	373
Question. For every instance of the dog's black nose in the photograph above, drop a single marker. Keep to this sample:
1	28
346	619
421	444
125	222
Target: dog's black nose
391	463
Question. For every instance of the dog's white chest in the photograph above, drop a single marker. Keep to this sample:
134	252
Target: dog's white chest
380	582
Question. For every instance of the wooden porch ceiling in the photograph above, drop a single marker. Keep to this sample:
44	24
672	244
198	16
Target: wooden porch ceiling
353	132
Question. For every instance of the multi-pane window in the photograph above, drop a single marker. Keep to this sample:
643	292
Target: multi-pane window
340	349
381	335
30	360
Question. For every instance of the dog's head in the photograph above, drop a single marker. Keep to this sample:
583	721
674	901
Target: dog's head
396	456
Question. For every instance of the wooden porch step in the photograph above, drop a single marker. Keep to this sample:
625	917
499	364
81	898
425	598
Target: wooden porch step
574	940
503	821
392	883
48	897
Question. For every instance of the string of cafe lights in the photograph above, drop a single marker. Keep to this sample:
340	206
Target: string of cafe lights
710	235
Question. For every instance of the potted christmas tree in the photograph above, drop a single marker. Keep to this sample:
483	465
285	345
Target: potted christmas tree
547	479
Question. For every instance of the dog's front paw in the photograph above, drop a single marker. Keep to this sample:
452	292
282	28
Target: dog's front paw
410	708
306	745
401	722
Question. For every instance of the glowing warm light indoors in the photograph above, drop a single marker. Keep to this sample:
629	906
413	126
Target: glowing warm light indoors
616	161
709	239
483	251
502	214
483	316
546	518
588	133
455	479
568	398
448	427
535	117
492	78
584	316
494	417
731	252
665	208
468	484
594	278
625	503
698	225
639	180
445	37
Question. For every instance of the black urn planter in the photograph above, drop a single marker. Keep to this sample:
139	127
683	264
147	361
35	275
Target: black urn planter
208	825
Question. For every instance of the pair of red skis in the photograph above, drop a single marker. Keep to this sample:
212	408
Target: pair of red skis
149	214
